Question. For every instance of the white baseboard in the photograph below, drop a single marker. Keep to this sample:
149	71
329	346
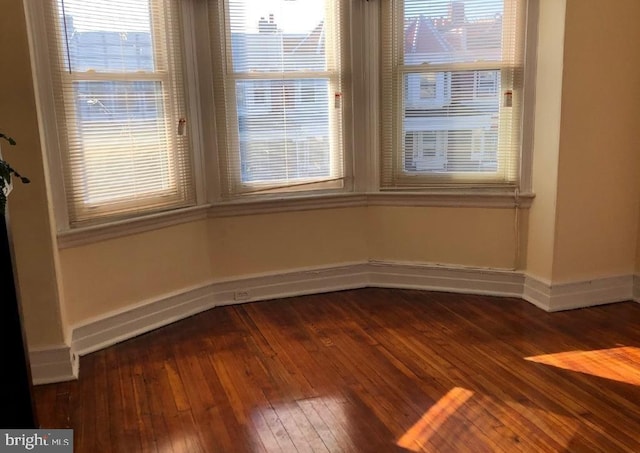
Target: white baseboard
432	277
53	364
122	325
537	292
568	296
50	365
636	288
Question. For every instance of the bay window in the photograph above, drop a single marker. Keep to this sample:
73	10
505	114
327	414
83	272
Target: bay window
157	105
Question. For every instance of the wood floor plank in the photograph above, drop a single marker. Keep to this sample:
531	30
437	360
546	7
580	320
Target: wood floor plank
149	440
103	440
124	434
370	370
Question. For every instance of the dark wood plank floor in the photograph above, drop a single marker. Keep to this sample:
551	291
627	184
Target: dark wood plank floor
372	370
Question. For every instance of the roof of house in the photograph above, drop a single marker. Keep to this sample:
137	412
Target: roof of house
441	35
312	42
421	36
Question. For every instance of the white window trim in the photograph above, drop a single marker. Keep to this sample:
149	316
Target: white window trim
47	123
529	96
366	150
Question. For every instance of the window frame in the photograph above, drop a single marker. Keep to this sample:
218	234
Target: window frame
229	186
389	167
44	63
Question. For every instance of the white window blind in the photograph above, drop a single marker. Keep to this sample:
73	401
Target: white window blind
120	107
452	74
279	94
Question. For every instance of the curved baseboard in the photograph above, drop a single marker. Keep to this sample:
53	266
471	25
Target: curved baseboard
59	363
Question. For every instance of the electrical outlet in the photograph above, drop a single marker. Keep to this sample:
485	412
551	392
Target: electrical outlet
241	295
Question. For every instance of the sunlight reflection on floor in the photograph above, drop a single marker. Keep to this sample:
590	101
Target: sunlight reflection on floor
420	433
462	417
318	423
620	364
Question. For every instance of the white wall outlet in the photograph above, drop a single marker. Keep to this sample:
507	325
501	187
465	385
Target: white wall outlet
241	295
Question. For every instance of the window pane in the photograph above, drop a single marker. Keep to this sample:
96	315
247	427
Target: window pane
118	102
445	31
278	35
122	134
283	128
461	110
107	36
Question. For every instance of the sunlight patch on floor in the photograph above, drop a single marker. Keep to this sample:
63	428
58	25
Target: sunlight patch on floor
420	433
463	417
619	364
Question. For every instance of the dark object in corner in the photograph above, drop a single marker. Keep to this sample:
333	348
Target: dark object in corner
17	408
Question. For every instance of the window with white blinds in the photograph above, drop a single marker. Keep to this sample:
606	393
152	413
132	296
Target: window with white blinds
279	94
120	107
452	76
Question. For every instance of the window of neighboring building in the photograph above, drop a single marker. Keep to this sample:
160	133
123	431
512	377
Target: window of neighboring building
294	48
452	69
425	151
486	84
119	95
427	90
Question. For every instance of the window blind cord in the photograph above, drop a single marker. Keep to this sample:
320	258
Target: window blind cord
66	34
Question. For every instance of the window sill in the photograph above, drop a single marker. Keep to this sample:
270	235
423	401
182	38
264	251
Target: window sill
453	199
95	233
88	235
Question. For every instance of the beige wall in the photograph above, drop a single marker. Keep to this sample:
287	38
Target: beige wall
598	184
275	242
111	275
584	221
30	222
459	236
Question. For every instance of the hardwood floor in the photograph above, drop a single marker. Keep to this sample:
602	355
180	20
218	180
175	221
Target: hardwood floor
371	370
